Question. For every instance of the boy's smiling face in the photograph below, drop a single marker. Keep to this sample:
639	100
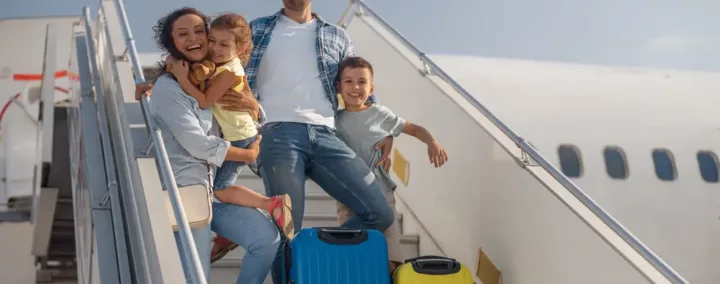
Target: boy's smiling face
355	87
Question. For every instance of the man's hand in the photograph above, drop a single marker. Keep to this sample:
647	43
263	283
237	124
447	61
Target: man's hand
145	87
385	148
241	101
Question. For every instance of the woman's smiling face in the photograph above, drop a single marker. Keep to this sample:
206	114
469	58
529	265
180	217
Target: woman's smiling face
190	37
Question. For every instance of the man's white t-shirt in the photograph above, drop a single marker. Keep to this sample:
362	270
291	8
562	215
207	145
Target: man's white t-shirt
288	78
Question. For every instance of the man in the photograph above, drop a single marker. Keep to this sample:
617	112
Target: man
292	73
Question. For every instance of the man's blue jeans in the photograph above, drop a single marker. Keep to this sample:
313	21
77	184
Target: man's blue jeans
293	152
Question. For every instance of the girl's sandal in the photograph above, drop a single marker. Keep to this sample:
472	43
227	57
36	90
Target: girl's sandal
225	247
284	221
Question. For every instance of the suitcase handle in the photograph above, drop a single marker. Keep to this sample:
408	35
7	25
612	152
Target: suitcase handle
339	236
435	257
435	265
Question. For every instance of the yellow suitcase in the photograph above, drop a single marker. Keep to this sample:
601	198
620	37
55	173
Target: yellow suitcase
432	270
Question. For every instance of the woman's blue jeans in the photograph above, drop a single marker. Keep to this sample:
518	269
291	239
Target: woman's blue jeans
247	227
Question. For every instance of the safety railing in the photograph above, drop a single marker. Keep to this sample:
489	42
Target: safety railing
193	267
361	8
112	196
139	240
81	213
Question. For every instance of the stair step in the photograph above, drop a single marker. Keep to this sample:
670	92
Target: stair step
316	203
62	237
62	233
63	224
229	273
64	211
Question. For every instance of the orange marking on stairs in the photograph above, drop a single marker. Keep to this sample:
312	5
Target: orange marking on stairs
38	77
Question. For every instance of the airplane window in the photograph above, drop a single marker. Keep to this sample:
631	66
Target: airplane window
615	163
570	162
664	164
708	163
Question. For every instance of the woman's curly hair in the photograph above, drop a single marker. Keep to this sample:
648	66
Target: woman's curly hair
163	32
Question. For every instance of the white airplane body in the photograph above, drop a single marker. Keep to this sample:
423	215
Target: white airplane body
631	111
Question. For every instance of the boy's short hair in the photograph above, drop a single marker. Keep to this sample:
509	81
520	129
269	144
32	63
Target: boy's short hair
353	62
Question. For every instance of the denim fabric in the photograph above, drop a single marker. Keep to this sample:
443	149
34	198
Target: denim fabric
252	230
227	174
293	152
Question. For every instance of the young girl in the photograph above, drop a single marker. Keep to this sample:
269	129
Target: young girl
362	125
230	42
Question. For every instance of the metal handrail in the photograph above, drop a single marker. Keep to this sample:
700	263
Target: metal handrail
187	241
112	194
128	171
524	145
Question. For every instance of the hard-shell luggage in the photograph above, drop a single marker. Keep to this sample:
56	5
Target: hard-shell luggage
337	255
432	270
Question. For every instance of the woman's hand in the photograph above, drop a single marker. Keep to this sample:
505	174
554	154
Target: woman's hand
140	88
385	148
180	69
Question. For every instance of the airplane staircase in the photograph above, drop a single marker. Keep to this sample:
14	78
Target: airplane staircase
60	261
534	223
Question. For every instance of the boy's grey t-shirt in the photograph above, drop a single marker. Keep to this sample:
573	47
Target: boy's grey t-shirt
363	130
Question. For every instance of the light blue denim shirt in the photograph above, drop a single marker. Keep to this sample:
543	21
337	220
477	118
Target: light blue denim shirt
188	131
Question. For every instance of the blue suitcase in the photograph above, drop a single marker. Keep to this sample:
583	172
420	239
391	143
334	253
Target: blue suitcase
338	256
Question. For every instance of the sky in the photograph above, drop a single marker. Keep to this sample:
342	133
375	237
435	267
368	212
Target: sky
670	34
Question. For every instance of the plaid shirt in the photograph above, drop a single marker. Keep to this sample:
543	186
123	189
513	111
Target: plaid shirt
332	46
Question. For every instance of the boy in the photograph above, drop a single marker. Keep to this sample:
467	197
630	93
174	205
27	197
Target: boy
362	125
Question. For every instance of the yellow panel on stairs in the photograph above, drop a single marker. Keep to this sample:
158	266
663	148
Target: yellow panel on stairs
401	167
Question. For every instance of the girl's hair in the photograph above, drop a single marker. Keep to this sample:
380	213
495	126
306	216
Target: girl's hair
163	32
240	28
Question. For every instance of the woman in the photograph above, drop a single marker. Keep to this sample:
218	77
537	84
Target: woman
190	147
